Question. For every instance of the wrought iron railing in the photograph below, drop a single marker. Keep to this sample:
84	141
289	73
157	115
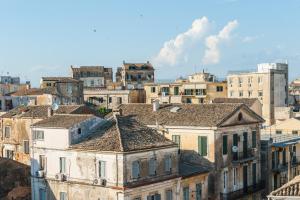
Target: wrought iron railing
244	155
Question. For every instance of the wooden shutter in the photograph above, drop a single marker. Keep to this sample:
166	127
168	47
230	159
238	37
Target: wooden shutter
202	145
225	145
253	139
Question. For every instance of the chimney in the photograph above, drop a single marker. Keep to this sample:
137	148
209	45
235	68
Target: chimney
50	112
155	105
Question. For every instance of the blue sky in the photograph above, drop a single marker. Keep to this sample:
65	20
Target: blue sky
44	39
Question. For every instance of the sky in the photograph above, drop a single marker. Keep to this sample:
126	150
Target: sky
44	38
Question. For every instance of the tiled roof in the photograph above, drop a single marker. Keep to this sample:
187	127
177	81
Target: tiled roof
123	134
34	91
248	101
90	69
60	79
203	115
290	189
138	65
42	111
62	121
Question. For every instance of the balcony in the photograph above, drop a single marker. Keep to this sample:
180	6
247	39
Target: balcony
243	192
244	156
280	167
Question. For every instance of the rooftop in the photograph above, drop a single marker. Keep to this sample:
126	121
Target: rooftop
203	115
147	65
62	121
60	79
34	92
42	111
248	101
281	140
123	134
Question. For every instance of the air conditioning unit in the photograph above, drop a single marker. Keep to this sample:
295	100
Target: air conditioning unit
40	174
61	177
99	181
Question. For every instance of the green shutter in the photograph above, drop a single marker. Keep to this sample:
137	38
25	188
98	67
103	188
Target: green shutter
254	139
225	145
202	145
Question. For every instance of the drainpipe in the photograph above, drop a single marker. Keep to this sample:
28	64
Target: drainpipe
117	171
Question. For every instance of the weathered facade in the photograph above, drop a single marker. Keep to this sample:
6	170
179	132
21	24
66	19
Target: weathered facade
93	76
198	88
288	191
69	90
280	159
121	159
15	128
112	98
135	75
208	132
269	84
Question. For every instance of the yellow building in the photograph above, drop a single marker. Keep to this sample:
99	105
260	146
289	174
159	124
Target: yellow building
289	126
198	88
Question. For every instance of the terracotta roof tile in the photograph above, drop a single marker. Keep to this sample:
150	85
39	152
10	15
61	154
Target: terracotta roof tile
248	101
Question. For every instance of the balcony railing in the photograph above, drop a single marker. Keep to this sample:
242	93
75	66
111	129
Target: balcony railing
243	156
244	191
280	167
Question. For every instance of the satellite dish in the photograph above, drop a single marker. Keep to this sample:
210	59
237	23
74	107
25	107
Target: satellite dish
235	149
54	106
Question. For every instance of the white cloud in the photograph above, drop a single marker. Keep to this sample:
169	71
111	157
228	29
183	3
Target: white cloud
212	42
249	39
173	50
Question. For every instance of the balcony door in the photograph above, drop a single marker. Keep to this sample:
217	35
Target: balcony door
245	144
245	178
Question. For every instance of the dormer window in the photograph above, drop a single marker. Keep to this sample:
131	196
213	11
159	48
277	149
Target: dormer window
240	117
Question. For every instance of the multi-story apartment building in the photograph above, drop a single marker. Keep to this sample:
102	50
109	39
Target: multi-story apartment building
227	136
93	76
287	127
69	89
198	88
15	128
269	84
112	98
135	75
294	92
119	160
280	159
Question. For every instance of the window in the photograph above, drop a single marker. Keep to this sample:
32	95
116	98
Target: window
9	154
200	92
176	90
231	93
278	132
152	166
253	139
188	92
62	196
165	91
119	100
260	93
62	165
295	132
169	195
186	193
102	169
260	80
154	197
7	131
249	93
225	179
92	83
254	174
202	145
234	176
38	135
137	198
176	139
136	169
198	191
225	144
79	130
42	194
42	162
188	100
168	164
241	93
26	146
109	100
48	84
219	88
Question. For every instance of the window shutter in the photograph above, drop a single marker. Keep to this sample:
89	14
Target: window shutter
202	145
157	197
149	197
254	139
225	144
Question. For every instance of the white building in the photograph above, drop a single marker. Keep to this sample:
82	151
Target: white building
74	158
269	84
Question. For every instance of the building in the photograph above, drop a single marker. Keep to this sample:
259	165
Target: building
209	131
121	159
253	103
110	99
288	191
15	128
93	76
280	159
198	88
135	75
69	89
294	92
287	127
10	84
269	84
